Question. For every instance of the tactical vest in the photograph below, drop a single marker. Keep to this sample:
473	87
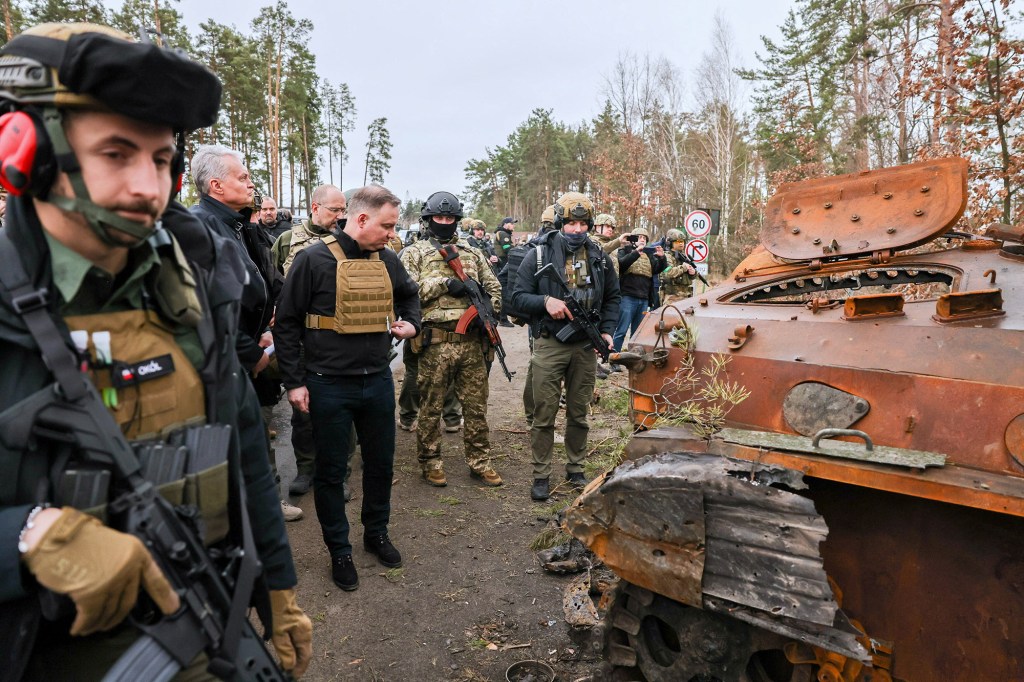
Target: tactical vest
302	237
641	266
364	302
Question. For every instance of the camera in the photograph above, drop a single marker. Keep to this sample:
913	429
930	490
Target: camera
632	238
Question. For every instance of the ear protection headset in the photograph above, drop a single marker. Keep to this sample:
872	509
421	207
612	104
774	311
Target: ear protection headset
27	164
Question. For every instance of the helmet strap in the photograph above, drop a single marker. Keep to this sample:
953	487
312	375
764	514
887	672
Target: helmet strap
100	219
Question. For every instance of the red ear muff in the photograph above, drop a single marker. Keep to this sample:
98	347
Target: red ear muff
18	145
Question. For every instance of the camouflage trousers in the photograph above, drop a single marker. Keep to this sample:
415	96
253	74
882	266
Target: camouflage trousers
460	365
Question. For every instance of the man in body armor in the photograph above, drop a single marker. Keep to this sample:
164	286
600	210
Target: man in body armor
638	272
344	300
589	273
99	290
604	232
328	207
677	279
449	358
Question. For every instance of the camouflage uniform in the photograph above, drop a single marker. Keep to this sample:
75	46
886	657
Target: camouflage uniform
451	359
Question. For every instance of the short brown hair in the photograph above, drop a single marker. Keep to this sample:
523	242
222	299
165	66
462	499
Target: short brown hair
371	198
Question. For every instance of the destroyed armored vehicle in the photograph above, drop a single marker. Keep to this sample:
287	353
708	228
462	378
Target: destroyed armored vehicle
860	515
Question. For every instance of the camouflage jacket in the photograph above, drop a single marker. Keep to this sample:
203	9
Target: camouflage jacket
431	273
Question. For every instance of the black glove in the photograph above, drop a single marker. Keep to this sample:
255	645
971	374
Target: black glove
455	287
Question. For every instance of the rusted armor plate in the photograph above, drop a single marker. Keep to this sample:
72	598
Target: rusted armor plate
863	213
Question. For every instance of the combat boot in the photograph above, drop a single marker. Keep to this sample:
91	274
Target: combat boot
489	476
435	476
540	490
576	479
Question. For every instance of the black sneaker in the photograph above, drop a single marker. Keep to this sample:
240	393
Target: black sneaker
343	571
540	490
301	485
577	479
381	546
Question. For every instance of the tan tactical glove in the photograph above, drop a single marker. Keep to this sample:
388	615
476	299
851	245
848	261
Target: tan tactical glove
99	568
293	632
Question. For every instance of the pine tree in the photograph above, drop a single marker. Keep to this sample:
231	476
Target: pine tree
378	152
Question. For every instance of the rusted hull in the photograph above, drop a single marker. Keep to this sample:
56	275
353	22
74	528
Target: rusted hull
944	584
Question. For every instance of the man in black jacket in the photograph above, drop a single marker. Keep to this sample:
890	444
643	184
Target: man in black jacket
272	223
590	277
225	207
343	377
114	289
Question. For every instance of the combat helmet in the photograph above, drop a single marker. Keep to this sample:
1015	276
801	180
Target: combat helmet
441	203
548	216
605	219
573	206
51	68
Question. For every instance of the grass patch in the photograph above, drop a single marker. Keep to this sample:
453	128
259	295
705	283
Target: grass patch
616	401
548	538
449	500
479	643
428	513
394	575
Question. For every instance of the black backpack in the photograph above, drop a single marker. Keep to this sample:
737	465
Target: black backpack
516	255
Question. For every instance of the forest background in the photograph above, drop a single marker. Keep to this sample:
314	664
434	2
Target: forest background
847	85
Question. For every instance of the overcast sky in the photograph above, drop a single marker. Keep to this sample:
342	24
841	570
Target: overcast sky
454	77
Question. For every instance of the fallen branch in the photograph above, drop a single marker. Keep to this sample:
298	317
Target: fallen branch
516	646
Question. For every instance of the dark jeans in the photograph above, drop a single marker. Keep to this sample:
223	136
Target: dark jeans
631	314
335	404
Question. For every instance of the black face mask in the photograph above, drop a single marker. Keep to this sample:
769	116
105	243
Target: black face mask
574	241
442	232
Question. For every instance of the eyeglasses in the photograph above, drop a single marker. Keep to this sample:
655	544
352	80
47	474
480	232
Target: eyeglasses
334	209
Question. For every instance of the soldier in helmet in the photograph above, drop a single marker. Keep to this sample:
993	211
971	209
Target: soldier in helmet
604	232
677	279
102	276
547	220
449	358
591	278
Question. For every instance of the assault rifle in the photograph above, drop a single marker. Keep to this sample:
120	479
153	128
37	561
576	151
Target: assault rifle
681	255
210	618
582	319
480	306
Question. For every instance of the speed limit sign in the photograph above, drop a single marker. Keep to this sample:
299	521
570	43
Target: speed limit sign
698	224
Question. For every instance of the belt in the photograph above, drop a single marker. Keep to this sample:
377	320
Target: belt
433	335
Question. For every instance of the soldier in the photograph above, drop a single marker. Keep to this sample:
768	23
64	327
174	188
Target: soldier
449	358
503	243
591	277
478	240
677	280
93	281
604	232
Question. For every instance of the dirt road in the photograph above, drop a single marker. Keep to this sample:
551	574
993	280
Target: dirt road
471	598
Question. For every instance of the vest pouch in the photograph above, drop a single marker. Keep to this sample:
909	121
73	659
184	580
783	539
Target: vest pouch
416	343
208	492
173	491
